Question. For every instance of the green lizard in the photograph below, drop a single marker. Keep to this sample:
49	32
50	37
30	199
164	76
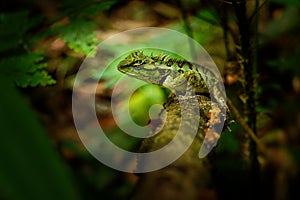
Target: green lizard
182	78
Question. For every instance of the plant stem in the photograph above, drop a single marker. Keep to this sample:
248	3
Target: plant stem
245	126
256	40
247	63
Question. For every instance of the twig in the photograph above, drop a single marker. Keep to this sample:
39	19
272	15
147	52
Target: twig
257	8
246	127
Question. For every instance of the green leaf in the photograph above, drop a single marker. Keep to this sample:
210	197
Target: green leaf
80	36
26	70
30	168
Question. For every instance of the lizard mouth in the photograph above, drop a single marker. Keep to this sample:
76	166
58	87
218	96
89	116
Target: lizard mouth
130	74
124	68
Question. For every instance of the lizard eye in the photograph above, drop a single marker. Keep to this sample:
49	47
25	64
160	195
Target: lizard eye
169	63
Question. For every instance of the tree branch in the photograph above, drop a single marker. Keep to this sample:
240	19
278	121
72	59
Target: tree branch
249	89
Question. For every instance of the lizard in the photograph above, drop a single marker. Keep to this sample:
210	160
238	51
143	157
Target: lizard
185	80
182	77
179	75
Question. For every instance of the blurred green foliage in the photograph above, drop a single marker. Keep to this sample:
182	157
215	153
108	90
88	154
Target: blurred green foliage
19	35
79	36
287	62
30	168
23	67
26	70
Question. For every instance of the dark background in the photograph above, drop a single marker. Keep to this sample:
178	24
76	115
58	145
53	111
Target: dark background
43	44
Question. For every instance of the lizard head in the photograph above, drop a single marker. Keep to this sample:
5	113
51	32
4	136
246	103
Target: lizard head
144	67
134	59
